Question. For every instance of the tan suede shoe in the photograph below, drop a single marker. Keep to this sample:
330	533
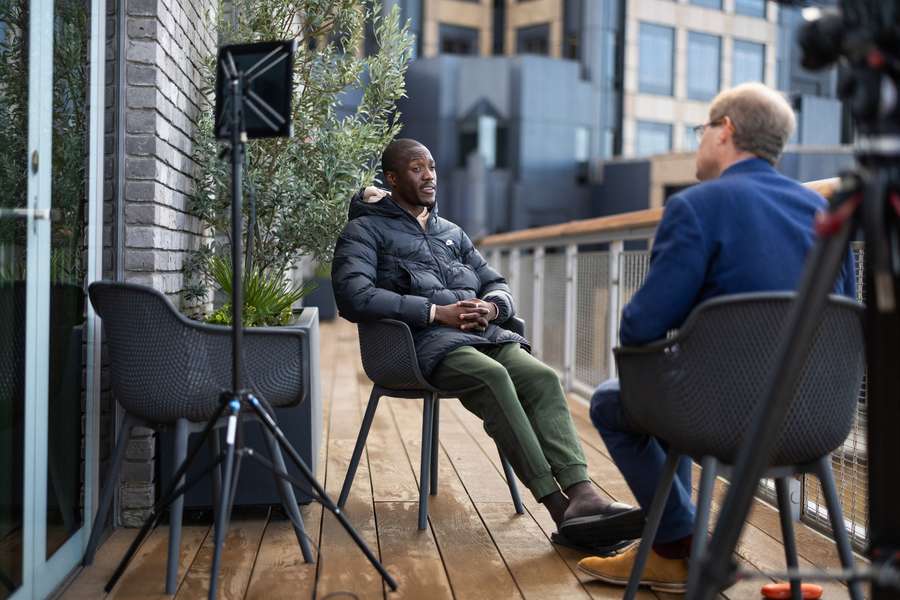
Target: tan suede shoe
661	574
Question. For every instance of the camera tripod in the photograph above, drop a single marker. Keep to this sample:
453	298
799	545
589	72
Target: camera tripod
272	59
859	201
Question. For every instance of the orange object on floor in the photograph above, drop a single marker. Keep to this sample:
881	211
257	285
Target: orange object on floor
782	591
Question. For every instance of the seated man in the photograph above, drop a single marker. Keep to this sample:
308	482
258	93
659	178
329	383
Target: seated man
745	228
397	259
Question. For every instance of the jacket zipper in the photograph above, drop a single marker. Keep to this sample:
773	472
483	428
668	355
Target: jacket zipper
428	243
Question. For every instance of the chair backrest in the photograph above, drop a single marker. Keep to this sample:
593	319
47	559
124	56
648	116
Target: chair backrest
388	355
165	366
698	390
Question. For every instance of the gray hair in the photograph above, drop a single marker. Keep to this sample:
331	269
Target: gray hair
763	120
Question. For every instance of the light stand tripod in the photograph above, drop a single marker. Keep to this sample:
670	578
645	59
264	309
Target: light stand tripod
868	198
239	67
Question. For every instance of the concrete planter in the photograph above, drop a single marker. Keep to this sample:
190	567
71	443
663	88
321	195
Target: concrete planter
301	424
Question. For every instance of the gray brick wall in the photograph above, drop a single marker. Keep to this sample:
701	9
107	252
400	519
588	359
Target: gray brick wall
166	40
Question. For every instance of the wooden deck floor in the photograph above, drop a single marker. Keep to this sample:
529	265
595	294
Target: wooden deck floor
476	546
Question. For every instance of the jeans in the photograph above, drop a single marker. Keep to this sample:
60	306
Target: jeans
641	459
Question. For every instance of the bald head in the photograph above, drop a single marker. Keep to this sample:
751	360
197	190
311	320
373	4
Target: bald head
398	153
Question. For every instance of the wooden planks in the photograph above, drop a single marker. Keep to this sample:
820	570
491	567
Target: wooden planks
473	564
146	575
476	547
90	581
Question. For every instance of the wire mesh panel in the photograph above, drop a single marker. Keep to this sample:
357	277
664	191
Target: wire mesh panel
554	310
633	267
502	265
525	289
849	462
592	318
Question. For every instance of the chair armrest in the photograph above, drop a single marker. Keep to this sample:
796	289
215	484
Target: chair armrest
514	324
389	355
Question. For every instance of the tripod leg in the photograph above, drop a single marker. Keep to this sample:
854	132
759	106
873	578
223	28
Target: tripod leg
783	493
176	511
234	407
288	499
324	498
109	489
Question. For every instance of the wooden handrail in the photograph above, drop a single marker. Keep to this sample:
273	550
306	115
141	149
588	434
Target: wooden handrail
629	220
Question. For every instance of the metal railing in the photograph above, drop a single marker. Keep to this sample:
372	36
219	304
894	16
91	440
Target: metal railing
570	283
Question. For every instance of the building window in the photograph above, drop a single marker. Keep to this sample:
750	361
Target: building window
533	40
716	4
703	60
653	138
458	40
499	26
689	141
749	62
750	8
656	53
572	19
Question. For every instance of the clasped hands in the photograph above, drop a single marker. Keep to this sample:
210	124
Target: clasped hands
466	315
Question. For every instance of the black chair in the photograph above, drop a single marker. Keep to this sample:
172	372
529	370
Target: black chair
168	371
389	359
699	389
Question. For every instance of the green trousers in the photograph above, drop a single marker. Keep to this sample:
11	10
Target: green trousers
524	409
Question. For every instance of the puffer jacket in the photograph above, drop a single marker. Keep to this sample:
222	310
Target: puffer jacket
387	267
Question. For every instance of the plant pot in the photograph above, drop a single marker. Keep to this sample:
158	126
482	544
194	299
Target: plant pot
301	424
322	298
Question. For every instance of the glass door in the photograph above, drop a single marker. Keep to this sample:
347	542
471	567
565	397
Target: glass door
49	162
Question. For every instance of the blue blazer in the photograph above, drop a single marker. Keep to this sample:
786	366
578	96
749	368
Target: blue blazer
747	231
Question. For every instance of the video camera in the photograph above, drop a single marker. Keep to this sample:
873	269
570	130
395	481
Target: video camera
863	37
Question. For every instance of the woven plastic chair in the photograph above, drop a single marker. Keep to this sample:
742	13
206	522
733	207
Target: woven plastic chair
699	390
168	371
389	359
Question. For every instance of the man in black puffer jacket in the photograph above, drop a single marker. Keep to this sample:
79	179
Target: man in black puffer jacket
397	259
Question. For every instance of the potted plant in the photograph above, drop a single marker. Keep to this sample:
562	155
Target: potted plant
297	187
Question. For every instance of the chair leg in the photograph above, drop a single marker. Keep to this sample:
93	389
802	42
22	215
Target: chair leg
653	519
709	467
783	493
177	509
288	499
360	444
425	463
435	446
109	489
214	445
836	516
511	482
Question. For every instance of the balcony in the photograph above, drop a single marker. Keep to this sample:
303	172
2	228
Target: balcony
571	282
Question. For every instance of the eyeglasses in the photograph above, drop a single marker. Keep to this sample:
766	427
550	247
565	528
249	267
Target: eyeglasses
699	130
